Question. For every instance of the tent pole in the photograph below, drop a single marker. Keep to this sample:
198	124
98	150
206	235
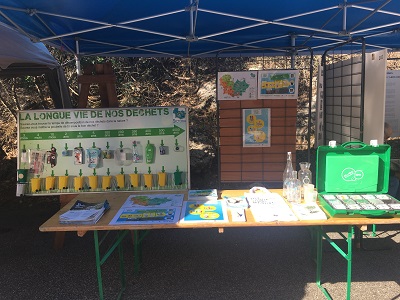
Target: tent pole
191	19
293	44
344	24
78	63
77	58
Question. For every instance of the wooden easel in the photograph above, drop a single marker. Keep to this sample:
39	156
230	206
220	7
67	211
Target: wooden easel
103	75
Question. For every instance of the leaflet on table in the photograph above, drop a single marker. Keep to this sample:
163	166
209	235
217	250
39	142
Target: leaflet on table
204	195
308	211
204	211
84	213
160	200
146	215
269	207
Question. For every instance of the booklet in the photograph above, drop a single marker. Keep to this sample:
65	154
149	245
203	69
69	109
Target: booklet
84	213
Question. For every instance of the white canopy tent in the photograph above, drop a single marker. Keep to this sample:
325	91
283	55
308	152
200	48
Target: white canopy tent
19	56
17	48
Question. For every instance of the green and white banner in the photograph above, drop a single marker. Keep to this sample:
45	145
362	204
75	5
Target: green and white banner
104	142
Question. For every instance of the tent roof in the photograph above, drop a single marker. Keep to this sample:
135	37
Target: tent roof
198	28
18	49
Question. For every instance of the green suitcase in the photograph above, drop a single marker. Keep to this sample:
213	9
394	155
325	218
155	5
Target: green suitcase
353	178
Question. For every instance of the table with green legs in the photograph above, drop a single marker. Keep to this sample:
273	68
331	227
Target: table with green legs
102	231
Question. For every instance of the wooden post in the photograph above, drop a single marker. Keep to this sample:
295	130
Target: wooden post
103	75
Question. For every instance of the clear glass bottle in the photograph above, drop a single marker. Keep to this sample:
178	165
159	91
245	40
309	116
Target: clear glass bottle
294	189
287	173
304	175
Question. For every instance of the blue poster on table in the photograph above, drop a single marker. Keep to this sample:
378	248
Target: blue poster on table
204	211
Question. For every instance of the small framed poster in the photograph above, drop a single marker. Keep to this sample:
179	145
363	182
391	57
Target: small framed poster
237	85
256	127
278	84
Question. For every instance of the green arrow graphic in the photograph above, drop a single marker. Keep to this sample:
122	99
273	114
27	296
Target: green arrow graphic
81	134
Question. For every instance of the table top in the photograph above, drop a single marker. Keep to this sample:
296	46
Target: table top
117	199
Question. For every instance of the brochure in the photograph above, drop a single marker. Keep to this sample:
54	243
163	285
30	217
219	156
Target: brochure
84	213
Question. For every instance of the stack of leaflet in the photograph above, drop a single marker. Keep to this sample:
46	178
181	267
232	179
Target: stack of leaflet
269	207
84	213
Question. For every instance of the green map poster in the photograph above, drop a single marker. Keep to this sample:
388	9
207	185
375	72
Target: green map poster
237	85
256	127
106	146
278	84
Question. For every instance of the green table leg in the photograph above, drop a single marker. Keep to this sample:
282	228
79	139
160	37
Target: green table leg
98	264
138	236
350	234
348	256
319	239
101	260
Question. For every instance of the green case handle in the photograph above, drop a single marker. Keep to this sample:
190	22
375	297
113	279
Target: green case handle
374	213
349	144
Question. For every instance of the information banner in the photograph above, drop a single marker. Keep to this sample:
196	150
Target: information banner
85	150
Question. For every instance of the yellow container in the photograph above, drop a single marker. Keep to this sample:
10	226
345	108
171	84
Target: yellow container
93	182
134	180
148	180
35	185
78	183
162	179
120	181
62	182
50	183
106	182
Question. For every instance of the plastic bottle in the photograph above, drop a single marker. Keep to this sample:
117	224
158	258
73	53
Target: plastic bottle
136	155
294	189
149	153
287	173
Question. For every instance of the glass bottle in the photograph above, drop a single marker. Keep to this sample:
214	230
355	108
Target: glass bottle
304	175
287	173
294	189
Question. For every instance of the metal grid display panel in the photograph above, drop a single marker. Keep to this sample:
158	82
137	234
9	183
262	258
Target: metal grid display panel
343	100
